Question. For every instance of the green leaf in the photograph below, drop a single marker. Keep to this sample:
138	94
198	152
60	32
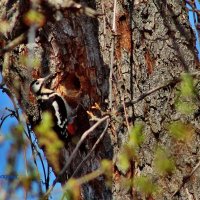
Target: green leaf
129	150
186	107
34	17
163	163
136	137
71	190
126	183
181	131
107	168
144	185
123	161
187	87
46	123
48	138
106	165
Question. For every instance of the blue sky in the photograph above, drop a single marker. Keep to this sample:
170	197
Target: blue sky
4	146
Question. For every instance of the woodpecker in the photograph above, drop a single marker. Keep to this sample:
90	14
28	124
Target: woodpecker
50	101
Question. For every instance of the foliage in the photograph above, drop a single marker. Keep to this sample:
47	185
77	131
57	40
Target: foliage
72	190
49	140
187	86
107	168
145	185
164	164
181	131
130	149
27	181
33	17
186	97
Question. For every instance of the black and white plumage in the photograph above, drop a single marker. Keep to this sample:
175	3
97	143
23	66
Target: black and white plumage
52	102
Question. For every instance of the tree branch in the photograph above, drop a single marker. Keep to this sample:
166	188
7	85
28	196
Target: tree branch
93	148
12	44
165	85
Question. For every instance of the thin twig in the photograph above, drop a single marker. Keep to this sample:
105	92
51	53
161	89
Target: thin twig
126	115
90	176
25	160
195	169
12	44
83	137
193	10
112	54
34	149
48	178
142	96
43	167
93	148
165	85
32	144
10	95
187	178
3	119
26	169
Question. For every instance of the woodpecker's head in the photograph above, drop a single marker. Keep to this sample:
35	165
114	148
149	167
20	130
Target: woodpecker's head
38	85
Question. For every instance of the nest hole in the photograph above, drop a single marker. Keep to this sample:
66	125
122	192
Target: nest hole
73	83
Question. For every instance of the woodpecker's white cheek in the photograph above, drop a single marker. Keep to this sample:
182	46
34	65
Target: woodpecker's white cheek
35	88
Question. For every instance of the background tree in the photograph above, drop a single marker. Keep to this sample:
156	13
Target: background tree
129	57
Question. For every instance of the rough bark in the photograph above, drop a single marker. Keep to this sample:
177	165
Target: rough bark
153	44
69	47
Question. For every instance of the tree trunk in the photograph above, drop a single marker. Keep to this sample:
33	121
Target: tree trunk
153	44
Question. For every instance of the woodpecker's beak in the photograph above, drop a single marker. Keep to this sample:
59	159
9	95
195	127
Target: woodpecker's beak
49	78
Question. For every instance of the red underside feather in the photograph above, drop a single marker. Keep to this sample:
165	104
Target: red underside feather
71	128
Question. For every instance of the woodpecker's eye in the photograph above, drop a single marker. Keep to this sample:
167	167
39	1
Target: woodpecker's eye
37	83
